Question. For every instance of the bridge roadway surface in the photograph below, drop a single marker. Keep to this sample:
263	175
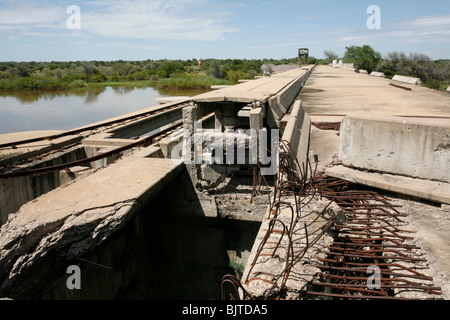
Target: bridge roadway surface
331	93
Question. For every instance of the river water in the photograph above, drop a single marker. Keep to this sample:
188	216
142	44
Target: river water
29	111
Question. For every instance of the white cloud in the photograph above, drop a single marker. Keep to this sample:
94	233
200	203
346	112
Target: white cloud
427	29
31	16
174	19
134	19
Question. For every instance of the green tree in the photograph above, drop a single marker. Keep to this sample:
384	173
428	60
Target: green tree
364	57
215	69
330	55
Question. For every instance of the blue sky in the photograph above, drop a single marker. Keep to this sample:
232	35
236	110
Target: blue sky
185	29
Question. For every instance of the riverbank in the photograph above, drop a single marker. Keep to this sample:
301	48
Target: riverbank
190	83
194	82
48	84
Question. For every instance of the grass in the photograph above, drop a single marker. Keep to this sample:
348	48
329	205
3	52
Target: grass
52	84
190	82
140	83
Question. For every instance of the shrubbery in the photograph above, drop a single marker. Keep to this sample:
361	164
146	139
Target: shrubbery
190	82
433	74
188	74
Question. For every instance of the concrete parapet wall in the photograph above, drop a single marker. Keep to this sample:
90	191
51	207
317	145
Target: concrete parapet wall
282	102
297	132
347	66
405	79
377	74
415	148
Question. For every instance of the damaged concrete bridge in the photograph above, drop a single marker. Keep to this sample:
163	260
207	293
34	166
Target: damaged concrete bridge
176	202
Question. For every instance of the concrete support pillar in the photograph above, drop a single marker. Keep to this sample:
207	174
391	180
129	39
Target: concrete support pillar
190	119
219	120
256	119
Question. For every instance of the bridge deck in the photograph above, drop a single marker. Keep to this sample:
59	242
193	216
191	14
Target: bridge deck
131	179
259	89
331	91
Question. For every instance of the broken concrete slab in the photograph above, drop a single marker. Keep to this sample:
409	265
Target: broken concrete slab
377	74
406	79
412	147
433	191
72	220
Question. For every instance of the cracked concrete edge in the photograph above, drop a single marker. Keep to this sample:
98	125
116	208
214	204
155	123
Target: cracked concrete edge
73	236
38	247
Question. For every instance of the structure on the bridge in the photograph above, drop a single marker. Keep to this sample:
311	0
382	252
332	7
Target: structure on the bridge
181	194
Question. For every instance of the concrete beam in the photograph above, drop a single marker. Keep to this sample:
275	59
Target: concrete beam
147	124
424	189
164	100
377	74
297	133
256	119
411	147
283	101
405	79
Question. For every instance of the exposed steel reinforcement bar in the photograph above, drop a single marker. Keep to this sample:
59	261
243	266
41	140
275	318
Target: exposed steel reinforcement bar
93	127
370	235
143	142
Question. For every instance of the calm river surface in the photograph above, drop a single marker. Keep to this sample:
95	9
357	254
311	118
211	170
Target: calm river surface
29	111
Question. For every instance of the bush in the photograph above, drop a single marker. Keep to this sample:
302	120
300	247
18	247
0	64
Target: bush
191	82
5	84
364	57
433	84
25	84
138	75
234	76
78	84
50	84
114	77
96	78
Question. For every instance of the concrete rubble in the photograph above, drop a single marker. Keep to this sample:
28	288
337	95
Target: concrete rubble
72	220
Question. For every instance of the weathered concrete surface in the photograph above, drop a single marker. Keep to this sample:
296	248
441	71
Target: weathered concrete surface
377	74
164	100
330	93
297	133
406	79
266	265
424	189
254	90
71	220
9	155
412	147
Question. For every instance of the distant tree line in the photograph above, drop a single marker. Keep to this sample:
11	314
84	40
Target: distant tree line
433	74
58	75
